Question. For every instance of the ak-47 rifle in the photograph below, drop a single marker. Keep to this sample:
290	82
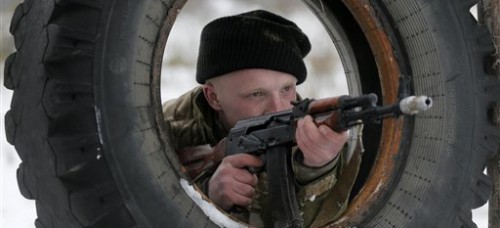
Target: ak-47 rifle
255	135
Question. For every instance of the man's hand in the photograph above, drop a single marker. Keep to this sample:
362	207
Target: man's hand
319	145
232	184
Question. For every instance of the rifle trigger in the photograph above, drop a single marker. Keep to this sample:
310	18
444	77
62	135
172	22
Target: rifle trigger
250	143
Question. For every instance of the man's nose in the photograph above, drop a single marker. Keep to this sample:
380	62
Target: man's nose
278	104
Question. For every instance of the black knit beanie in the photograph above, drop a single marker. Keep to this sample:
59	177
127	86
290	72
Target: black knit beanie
256	39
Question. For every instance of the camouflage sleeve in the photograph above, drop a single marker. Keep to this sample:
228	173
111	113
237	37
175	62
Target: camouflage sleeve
313	184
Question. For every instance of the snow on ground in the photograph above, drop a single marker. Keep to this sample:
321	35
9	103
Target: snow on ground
15	210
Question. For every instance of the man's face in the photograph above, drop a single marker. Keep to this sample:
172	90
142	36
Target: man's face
248	93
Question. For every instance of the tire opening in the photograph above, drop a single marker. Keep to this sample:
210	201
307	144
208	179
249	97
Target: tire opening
349	46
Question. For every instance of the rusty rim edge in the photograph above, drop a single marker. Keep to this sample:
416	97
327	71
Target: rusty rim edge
382	174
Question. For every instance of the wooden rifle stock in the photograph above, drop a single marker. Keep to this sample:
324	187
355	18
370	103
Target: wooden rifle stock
324	112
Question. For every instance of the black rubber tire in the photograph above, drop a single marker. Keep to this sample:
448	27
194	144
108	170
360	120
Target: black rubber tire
86	116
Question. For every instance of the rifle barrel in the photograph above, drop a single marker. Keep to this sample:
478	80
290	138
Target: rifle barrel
414	104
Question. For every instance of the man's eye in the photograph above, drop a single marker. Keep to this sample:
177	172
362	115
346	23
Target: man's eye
287	89
257	94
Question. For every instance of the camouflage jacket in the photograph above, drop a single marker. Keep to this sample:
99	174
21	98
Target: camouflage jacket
192	122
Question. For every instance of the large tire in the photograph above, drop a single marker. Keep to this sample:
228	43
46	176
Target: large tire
86	113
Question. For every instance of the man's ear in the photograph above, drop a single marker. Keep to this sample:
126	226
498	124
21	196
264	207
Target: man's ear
211	96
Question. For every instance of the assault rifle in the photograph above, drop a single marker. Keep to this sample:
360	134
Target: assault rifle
273	135
256	135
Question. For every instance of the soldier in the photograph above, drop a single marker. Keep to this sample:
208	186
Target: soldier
250	64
